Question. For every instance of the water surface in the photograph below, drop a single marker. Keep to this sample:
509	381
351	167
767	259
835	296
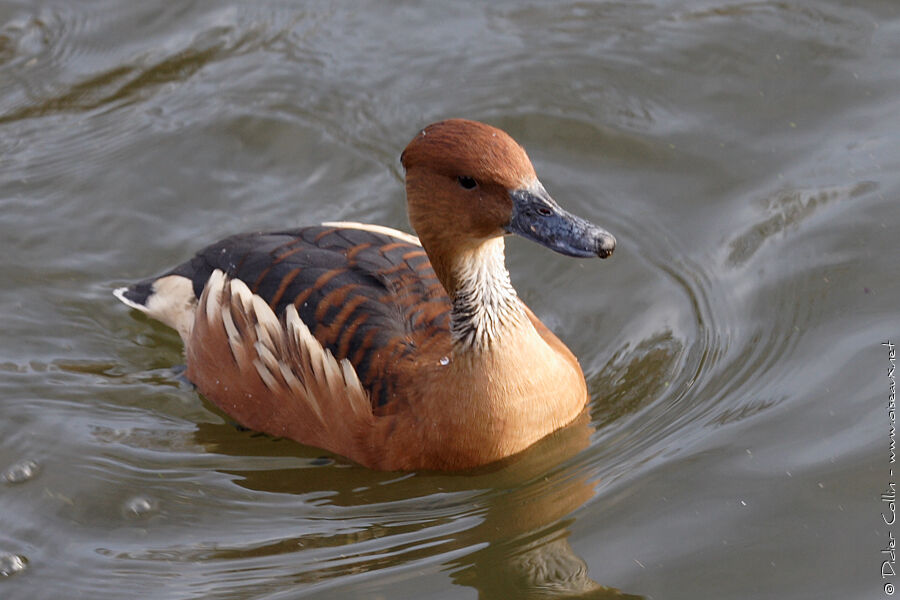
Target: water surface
745	154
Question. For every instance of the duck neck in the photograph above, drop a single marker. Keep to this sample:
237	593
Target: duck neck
484	303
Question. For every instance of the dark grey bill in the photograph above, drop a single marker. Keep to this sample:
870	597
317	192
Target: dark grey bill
537	217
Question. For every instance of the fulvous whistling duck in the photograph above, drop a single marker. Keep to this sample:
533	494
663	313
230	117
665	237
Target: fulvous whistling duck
398	352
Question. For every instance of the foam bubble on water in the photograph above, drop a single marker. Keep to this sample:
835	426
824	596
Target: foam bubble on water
21	472
10	564
140	507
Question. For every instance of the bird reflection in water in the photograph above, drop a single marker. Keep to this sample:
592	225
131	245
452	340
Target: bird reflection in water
520	510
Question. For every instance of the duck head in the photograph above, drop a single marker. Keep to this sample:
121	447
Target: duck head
468	183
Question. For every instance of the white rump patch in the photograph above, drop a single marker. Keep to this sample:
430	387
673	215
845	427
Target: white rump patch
395	233
172	302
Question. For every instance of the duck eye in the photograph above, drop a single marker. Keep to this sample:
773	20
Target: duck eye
544	211
467	183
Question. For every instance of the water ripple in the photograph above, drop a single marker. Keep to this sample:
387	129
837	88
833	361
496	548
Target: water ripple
788	209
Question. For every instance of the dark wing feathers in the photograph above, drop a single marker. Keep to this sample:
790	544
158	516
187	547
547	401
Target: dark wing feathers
365	296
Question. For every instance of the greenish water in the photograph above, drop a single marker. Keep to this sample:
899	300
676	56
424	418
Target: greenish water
746	155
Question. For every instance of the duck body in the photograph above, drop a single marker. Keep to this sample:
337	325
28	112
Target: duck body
397	352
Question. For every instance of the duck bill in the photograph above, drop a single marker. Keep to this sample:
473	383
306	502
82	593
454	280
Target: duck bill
537	217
